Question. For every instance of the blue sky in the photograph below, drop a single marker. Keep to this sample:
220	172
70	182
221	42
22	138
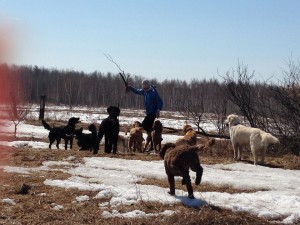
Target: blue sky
163	39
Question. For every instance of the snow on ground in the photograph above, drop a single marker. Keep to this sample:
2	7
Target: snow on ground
96	115
31	131
276	192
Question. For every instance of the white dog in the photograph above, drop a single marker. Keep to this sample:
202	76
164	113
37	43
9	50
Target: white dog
241	136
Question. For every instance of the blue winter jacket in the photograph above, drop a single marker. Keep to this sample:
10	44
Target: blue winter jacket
152	100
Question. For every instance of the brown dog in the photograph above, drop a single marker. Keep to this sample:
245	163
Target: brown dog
123	140
136	137
155	135
189	138
178	160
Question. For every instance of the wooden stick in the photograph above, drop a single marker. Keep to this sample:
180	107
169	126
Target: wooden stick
121	73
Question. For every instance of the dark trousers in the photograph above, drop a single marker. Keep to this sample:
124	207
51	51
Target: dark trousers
148	122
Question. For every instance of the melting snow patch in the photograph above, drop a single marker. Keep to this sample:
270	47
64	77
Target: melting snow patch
82	198
10	169
135	214
291	219
57	207
9	201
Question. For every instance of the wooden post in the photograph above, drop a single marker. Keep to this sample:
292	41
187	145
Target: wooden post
42	106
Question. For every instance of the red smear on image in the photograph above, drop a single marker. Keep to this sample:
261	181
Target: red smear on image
6	53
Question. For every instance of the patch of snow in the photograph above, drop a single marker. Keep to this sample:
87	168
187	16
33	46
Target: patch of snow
82	198
134	214
9	201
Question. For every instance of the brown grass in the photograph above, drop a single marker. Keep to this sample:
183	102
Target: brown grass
199	188
35	208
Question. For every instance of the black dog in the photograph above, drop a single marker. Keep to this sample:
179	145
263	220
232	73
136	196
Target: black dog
63	132
110	128
86	141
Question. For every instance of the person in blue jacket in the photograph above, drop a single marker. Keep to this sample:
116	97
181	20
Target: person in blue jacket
153	104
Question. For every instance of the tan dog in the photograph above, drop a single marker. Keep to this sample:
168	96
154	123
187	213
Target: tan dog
155	136
123	140
189	138
242	136
136	137
178	160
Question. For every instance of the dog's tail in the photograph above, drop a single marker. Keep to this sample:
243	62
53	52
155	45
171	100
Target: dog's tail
92	128
46	125
268	138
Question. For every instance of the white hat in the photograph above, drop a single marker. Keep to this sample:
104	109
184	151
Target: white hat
146	82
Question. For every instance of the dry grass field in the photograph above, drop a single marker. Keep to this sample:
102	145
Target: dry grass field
35	207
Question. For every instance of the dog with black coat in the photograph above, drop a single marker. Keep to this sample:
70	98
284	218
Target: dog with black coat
109	128
86	141
62	132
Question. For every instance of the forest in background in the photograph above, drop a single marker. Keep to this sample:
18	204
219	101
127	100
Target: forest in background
272	107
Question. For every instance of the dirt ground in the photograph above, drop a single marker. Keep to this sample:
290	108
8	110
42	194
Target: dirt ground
36	208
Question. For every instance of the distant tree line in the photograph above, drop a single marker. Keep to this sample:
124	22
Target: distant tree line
272	107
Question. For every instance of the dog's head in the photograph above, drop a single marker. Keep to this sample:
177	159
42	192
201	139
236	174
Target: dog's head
92	128
187	128
232	120
137	124
113	111
78	132
165	148
157	126
134	130
72	121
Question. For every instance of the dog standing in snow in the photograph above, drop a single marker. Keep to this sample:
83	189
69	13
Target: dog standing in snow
63	132
242	136
178	160
109	128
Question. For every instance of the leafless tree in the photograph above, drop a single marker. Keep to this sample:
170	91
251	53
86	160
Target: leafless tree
241	92
17	112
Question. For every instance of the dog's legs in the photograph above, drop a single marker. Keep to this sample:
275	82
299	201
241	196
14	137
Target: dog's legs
237	152
172	184
115	146
255	156
57	142
71	143
146	145
51	140
235	149
66	143
187	180
108	145
199	171
263	155
124	145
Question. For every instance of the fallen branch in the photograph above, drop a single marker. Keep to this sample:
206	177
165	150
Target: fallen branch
174	130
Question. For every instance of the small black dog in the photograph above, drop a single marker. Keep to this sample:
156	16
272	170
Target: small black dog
110	128
86	141
63	132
